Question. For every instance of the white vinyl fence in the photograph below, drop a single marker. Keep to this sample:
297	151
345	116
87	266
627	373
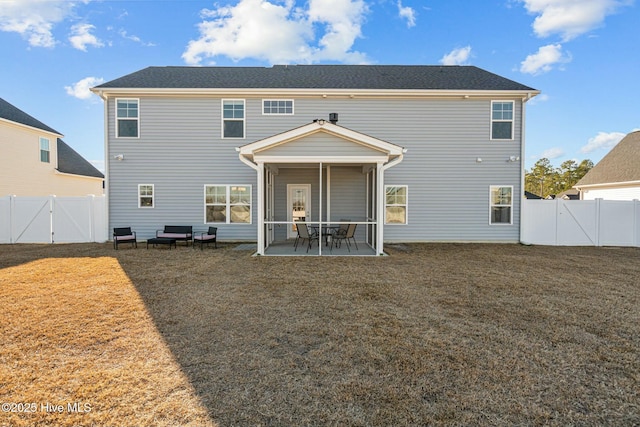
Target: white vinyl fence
52	219
581	222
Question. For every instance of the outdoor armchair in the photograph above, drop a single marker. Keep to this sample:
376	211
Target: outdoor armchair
124	235
210	236
345	235
305	234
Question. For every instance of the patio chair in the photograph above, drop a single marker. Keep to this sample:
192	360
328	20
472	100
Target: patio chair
339	236
124	235
210	236
305	234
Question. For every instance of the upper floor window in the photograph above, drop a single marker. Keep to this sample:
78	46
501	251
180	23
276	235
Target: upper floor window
502	120
45	152
501	205
233	118
145	195
277	106
395	204
127	117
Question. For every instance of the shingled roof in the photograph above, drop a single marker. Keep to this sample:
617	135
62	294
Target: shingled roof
377	77
69	161
13	114
621	164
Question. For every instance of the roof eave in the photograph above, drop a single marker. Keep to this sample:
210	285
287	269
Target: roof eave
32	128
525	94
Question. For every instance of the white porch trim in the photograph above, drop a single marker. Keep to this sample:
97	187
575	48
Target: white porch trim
384	155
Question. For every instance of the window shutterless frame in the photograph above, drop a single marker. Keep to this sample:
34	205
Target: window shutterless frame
146	196
227	204
396	204
45	150
501	205
233	118
127	117
502	120
277	107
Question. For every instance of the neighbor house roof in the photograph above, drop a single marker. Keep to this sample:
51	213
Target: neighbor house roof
69	161
371	77
621	164
13	114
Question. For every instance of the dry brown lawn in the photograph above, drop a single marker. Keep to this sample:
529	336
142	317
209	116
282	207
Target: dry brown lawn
435	334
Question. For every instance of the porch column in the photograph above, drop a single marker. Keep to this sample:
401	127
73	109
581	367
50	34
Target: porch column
380	201
261	199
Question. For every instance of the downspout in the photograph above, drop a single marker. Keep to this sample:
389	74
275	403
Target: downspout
380	201
107	162
522	141
258	169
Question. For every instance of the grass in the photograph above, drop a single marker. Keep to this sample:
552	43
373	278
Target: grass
435	334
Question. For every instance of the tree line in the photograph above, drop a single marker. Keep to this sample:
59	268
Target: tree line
544	180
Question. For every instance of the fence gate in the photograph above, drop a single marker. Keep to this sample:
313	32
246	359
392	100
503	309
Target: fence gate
52	219
581	222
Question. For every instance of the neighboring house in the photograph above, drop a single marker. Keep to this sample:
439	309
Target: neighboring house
34	161
410	153
571	194
530	195
617	175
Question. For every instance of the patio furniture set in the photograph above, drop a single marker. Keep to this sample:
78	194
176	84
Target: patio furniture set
331	234
169	236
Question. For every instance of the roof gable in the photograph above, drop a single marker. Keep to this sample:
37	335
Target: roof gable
372	77
621	164
307	141
13	114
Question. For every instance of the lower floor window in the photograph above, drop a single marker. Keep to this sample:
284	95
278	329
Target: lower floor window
145	195
227	204
501	205
395	204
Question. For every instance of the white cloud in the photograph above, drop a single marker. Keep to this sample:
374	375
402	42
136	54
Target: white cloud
134	38
81	90
544	60
81	37
457	56
569	18
279	32
543	97
602	140
552	153
407	13
34	19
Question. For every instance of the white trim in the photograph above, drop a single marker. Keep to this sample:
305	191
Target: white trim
317	159
228	204
606	185
117	136
244	118
491	205
512	121
278	100
153	196
311	128
321	93
31	128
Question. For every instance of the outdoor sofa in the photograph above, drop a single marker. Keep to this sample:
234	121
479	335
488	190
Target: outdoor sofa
178	232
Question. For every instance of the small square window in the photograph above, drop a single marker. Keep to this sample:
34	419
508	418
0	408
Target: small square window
145	195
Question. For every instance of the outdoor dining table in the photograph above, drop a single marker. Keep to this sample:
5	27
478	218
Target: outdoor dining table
327	232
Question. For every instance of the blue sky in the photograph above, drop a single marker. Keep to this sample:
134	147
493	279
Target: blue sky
582	54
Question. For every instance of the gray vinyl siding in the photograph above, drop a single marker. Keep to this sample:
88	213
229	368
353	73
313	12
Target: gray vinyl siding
180	150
